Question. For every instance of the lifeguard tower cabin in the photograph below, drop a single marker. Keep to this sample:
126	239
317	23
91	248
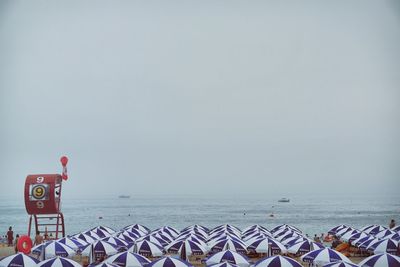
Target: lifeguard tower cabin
43	202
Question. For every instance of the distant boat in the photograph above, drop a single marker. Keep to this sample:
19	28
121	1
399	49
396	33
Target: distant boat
124	196
284	200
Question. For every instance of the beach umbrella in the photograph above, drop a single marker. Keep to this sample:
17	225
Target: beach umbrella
194	238
304	247
368	243
18	260
396	229
361	240
381	260
374	229
354	237
154	239
229	243
128	259
135	232
102	231
54	248
191	247
147	249
133	235
126	237
119	242
323	256
340	264
59	262
349	234
267	245
385	233
293	240
335	229
100	248
103	264
251	238
387	245
169	262
277	261
228	256
395	236
139	227
344	231
223	264
72	242
169	231
87	238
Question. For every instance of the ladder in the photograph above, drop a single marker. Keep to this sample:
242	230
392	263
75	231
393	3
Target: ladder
52	224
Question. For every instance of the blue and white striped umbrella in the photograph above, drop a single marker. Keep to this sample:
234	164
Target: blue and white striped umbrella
277	261
87	238
349	234
156	240
323	256
396	229
139	227
18	260
103	264
293	240
147	249
228	256
381	260
116	241
354	237
169	262
368	243
132	234
336	229
384	233
267	245
100	248
52	249
304	247
169	231
198	239
361	240
384	246
231	244
73	242
223	264
128	259
101	231
126	237
191	247
374	229
59	262
340	264
395	236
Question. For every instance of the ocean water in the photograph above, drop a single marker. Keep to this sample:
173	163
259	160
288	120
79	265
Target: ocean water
312	214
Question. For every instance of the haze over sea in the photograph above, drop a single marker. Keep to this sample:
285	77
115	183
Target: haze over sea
312	214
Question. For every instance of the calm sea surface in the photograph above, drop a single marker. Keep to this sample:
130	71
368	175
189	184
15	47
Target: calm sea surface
310	214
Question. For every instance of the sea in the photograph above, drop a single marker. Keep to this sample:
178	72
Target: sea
311	214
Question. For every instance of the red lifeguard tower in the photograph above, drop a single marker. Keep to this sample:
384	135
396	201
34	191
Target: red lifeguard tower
43	202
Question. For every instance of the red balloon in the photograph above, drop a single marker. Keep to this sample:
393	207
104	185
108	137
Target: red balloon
64	160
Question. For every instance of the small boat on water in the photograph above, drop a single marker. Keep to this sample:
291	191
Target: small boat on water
284	199
124	196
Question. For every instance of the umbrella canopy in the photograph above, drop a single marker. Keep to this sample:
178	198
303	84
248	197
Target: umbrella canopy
384	233
396	229
361	240
191	247
147	249
156	240
277	261
223	264
100	248
293	240
103	264
139	227
340	264
88	238
374	229
128	259
381	260
73	242
266	245
324	256
304	247
18	260
336	229
119	242
54	248
59	262
354	237
382	246
228	256
229	243
169	262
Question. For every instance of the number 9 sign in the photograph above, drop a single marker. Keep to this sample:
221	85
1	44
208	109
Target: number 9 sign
39	191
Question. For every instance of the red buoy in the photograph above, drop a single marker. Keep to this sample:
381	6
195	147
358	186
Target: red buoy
24	244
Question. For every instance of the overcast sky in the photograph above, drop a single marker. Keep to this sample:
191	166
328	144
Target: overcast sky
193	97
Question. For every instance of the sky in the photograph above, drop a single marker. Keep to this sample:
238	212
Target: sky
201	97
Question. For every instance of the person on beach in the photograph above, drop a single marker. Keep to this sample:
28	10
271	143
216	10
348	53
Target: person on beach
392	224
10	236
38	239
16	243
